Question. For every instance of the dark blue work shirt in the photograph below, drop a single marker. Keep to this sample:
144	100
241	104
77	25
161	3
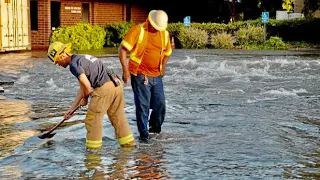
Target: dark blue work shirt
92	67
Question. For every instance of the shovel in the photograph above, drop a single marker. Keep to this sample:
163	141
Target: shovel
48	134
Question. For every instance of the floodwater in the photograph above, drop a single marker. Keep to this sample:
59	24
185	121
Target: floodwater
231	114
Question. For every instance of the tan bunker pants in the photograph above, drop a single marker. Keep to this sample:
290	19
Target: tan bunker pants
107	99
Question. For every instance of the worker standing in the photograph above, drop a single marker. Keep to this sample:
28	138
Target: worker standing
149	47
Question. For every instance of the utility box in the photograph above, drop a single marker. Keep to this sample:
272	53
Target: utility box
15	29
282	15
294	15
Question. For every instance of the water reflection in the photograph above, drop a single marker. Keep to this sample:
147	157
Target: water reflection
150	164
92	162
9	64
13	113
127	163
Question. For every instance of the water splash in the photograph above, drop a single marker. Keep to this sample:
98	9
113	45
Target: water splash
53	86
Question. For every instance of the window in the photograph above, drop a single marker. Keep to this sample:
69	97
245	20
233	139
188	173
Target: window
34	15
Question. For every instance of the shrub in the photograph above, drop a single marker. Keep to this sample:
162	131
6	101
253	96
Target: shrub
250	34
116	32
222	40
192	38
83	36
275	43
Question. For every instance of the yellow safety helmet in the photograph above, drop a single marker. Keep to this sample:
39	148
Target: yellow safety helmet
158	19
56	49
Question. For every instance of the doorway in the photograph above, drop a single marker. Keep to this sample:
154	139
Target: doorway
85	12
55	14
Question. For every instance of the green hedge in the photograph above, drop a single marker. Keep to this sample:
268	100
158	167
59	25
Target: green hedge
83	36
307	30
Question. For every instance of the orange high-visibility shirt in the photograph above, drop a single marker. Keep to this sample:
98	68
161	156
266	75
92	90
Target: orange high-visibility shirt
148	51
150	64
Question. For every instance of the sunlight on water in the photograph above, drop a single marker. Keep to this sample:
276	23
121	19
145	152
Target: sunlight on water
13	113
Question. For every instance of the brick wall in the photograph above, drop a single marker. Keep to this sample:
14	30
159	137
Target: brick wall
139	14
40	38
70	12
107	13
100	12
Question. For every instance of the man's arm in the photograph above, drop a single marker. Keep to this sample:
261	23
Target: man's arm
164	63
84	91
167	54
123	61
82	95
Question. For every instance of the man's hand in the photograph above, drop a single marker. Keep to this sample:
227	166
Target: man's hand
68	114
84	101
163	72
126	76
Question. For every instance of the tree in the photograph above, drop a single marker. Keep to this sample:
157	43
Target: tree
271	6
310	6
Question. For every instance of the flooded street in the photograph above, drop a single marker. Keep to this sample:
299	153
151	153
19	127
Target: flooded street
231	114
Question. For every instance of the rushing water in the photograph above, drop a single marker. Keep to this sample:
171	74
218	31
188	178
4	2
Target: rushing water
230	115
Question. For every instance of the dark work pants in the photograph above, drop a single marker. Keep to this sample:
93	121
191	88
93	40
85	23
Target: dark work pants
148	96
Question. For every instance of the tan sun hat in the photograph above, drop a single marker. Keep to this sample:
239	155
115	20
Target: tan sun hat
158	19
55	50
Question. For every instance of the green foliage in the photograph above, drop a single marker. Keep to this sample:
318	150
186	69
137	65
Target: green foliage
250	34
241	34
298	44
193	38
275	43
213	28
175	28
116	32
83	36
222	40
296	29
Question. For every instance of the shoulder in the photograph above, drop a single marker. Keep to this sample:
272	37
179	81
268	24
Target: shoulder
76	60
135	29
76	57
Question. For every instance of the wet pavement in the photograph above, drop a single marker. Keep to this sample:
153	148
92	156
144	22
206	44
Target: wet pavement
231	114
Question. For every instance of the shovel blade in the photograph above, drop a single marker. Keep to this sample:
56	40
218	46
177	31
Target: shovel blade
46	136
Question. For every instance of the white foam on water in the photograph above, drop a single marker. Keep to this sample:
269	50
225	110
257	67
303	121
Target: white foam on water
284	92
23	79
53	86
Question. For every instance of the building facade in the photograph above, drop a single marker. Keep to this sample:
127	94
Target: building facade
47	15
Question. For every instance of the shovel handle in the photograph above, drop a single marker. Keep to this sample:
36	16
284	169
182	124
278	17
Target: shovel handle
56	126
